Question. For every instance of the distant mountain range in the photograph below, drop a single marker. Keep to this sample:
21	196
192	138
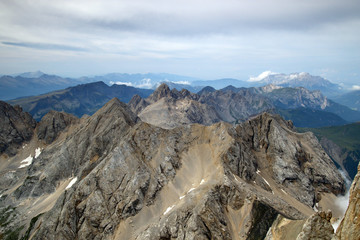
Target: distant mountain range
230	104
78	100
350	99
31	84
35	83
301	80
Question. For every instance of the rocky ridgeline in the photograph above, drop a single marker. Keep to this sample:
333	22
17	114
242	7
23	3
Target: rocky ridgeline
132	180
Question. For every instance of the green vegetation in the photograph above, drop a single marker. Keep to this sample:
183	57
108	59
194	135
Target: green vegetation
12	234
305	117
31	226
7	216
347	136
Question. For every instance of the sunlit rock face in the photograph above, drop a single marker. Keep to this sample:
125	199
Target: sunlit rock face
112	176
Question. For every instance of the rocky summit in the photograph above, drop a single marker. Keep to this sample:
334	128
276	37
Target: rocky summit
113	176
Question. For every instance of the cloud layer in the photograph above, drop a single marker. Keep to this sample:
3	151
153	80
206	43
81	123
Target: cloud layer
202	38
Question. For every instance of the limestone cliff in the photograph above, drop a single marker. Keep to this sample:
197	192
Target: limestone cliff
115	177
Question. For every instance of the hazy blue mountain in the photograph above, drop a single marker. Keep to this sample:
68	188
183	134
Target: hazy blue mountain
78	100
36	74
350	99
306	117
207	89
20	86
292	98
148	80
305	80
221	83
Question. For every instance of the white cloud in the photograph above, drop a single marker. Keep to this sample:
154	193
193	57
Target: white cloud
355	87
261	76
342	202
121	83
202	38
182	82
145	83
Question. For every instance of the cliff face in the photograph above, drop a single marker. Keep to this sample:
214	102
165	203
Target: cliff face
16	128
349	227
52	124
113	176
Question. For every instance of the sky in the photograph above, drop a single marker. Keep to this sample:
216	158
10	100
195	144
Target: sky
207	39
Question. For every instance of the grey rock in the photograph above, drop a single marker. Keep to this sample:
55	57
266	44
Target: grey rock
16	127
52	124
318	226
138	181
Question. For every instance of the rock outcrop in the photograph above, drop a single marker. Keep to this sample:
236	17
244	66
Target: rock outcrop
52	124
16	127
116	177
172	108
317	226
349	227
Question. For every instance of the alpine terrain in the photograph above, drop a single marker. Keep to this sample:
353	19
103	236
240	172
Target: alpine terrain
113	176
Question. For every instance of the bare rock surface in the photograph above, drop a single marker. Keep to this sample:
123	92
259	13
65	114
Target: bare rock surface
52	124
116	177
16	128
318	226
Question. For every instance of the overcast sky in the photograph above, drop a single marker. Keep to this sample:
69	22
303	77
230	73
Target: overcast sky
207	39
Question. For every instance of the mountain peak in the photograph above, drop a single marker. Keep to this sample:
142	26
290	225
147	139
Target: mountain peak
116	109
31	74
207	89
162	91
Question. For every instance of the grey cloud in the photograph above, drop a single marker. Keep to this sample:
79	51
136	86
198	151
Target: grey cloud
184	17
45	46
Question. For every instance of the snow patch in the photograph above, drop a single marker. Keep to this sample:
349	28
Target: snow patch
191	189
182	197
26	162
72	182
168	209
267	182
258	171
37	152
316	207
202	181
